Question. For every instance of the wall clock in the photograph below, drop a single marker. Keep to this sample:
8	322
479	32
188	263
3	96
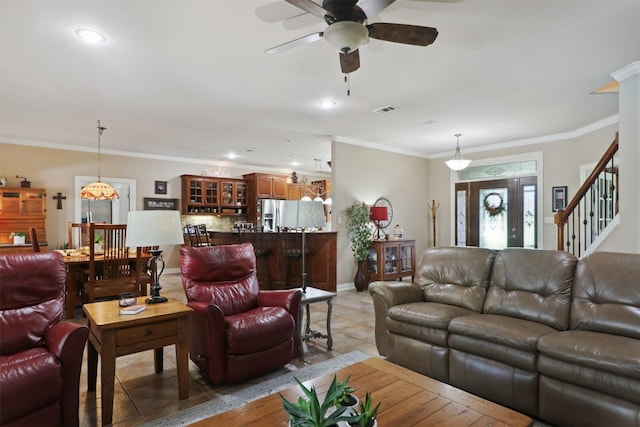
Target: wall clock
383	201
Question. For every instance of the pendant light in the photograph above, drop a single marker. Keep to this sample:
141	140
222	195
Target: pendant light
99	190
457	163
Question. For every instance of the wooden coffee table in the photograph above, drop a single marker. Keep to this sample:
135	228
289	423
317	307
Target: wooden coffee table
113	334
408	399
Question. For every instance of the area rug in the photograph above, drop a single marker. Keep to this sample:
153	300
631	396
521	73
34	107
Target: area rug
265	388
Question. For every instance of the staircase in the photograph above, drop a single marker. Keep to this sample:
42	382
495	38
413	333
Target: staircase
594	208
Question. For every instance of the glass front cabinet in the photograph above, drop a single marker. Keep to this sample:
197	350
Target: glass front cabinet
391	259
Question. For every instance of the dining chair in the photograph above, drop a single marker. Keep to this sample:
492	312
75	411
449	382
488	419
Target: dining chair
34	240
198	235
110	273
79	235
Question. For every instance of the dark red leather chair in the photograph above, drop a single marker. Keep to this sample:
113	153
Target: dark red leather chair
40	356
236	330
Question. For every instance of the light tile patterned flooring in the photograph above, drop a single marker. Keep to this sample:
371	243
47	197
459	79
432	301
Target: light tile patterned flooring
142	395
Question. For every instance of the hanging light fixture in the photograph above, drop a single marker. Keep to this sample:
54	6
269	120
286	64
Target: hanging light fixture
457	163
99	190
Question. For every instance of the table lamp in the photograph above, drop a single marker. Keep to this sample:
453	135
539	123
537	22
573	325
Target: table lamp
154	228
303	214
377	214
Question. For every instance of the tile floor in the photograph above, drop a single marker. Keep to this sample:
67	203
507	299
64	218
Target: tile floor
142	395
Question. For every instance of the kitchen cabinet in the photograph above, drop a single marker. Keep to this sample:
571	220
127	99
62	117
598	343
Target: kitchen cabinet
200	195
213	196
20	210
296	191
233	196
391	259
266	186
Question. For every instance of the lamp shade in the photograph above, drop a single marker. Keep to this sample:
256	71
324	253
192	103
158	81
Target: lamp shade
154	228
98	191
302	214
378	213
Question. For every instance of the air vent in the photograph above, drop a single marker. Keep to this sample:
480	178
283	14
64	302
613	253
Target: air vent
385	109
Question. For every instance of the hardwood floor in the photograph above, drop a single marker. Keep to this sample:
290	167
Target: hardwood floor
142	395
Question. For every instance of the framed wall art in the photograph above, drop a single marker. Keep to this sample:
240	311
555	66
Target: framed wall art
151	203
161	187
559	198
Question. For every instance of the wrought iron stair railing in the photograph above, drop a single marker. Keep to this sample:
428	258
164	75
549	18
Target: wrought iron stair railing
593	207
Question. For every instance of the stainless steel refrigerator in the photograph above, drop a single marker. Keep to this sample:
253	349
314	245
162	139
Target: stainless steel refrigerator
269	214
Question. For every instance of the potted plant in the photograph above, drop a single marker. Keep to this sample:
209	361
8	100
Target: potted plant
346	398
366	414
359	229
18	237
309	412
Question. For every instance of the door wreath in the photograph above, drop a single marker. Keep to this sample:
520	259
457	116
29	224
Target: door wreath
493	204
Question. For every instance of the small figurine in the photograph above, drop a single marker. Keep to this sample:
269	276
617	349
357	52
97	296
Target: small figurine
294	177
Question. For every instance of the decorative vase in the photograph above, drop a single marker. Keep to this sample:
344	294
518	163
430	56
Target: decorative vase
361	280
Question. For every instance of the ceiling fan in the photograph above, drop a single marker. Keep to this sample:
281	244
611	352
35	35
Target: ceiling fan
347	30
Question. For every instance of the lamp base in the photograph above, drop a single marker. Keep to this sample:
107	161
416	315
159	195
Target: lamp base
156	299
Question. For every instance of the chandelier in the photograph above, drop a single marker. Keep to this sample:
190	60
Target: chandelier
99	190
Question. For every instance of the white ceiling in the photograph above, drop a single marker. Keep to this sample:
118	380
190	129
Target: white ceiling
190	79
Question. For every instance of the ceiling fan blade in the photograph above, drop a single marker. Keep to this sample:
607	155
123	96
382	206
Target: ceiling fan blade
372	7
402	33
311	7
295	43
349	62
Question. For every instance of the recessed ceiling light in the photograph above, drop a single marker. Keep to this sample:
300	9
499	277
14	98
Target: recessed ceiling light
232	156
90	36
327	103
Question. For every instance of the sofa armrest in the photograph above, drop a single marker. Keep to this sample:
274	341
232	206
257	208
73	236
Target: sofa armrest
67	340
386	295
290	301
207	337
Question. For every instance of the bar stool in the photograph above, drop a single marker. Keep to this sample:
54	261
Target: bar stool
290	256
261	258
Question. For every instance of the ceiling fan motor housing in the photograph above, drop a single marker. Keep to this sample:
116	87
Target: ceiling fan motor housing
346	36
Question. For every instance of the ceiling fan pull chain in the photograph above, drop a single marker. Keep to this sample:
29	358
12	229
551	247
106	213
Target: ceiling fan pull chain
347	81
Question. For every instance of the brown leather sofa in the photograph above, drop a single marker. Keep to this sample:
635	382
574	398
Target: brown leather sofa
236	330
536	330
40	356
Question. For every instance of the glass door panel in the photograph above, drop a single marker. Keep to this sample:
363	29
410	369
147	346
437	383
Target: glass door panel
494	218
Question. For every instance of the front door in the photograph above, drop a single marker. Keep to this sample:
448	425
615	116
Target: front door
496	214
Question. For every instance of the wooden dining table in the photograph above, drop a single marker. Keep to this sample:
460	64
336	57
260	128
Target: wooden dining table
75	265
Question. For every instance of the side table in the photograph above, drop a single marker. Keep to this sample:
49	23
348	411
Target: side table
312	296
112	334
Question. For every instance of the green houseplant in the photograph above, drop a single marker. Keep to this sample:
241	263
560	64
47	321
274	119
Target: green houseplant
18	237
310	412
359	228
346	397
366	414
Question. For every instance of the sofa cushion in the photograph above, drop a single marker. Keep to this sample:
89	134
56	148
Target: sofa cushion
506	339
424	321
259	329
455	275
532	284
606	295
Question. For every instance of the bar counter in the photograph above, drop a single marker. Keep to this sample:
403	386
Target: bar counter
278	257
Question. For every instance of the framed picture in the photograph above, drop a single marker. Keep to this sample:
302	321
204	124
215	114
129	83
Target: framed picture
151	203
559	198
161	187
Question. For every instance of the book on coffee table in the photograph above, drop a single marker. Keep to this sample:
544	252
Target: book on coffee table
133	309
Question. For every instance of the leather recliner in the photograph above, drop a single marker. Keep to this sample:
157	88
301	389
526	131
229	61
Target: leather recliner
40	356
236	331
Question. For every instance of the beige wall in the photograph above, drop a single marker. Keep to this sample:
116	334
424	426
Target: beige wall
363	175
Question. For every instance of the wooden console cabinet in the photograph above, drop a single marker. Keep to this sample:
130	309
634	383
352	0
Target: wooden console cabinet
391	259
20	210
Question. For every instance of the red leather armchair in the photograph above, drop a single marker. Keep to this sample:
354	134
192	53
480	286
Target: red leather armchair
40	356
236	330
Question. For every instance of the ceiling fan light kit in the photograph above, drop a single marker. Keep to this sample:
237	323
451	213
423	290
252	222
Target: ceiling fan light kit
346	36
457	163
